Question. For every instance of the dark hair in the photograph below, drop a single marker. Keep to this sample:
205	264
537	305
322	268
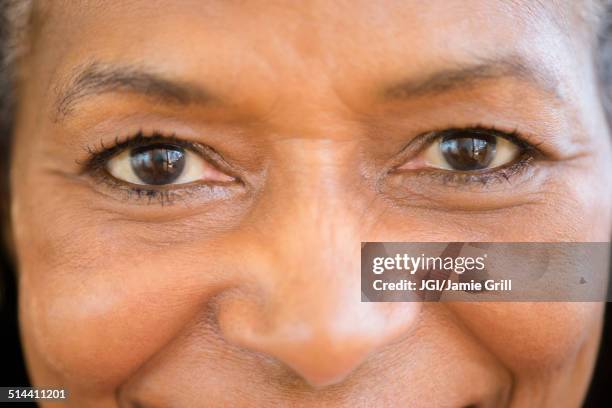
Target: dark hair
14	18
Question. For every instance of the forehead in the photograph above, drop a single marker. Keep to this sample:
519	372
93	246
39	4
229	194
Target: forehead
299	42
316	31
306	59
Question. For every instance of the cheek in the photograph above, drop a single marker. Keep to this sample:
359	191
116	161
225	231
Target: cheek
534	337
92	329
97	302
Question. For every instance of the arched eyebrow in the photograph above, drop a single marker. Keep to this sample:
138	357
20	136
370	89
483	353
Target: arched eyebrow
99	78
475	74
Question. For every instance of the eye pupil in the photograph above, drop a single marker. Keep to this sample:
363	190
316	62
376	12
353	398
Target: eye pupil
468	152
158	164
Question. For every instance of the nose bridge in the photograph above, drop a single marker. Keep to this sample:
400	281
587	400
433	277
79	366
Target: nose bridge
313	199
305	307
310	267
316	217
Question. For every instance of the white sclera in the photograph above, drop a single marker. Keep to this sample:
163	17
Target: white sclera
505	152
196	169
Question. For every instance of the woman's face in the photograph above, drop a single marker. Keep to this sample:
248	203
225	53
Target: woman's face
191	181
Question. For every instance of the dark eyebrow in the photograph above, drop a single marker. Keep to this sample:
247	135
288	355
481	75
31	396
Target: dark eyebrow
98	78
467	76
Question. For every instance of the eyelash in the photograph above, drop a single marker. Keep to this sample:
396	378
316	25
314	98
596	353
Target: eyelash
529	153
99	155
487	177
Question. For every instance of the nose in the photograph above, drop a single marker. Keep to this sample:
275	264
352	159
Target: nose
300	297
322	336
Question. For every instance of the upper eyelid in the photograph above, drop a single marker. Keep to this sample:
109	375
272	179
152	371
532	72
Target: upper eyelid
513	136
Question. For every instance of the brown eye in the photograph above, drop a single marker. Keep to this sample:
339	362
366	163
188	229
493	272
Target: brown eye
158	164
163	164
468	152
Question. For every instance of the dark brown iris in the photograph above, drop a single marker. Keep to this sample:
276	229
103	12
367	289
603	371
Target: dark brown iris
158	164
465	151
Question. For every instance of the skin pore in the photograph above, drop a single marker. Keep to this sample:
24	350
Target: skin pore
311	121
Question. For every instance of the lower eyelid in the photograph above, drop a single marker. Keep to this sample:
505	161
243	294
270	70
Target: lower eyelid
142	194
520	184
482	178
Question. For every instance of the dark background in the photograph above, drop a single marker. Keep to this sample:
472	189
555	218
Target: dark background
13	373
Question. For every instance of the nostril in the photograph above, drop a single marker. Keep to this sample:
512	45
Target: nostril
323	365
322	339
317	358
316	354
